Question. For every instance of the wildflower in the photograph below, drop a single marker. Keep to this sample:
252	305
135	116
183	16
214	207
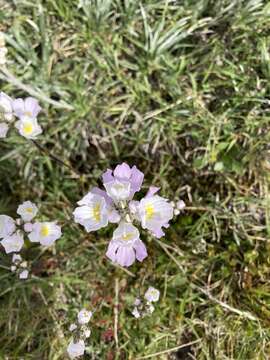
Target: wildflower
7	226
27	109
86	333
126	245
6	110
135	313
28	227
92	212
16	258
13	243
27	210
3	130
76	349
180	205
72	327
122	183
152	294
28	127
84	316
45	233
154	213
24	274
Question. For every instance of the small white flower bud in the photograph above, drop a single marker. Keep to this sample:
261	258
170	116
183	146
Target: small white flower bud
24	274
176	212
180	205
13	268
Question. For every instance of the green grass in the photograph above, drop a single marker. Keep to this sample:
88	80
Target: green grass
181	89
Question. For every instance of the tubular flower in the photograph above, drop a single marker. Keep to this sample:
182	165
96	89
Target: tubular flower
27	210
126	245
13	243
45	233
122	183
27	109
7	226
28	127
92	212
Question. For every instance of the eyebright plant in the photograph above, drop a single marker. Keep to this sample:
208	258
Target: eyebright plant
144	307
25	110
116	205
81	332
13	232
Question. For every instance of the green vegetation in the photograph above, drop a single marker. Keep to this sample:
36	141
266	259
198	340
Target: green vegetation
181	89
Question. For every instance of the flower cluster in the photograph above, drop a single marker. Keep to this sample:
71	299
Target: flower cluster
116	205
12	231
3	50
80	332
26	110
19	266
144	307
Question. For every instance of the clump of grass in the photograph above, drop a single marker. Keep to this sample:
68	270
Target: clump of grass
182	91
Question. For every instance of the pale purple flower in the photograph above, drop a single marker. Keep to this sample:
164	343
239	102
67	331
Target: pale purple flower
28	227
7	226
73	327
135	312
13	243
6	107
180	205
27	210
84	316
26	109
126	245
24	274
16	258
76	349
92	212
3	130
154	212
46	233
152	294
122	183
28	127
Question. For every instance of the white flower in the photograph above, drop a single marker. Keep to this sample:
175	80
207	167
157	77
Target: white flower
135	313
180	205
27	109
7	225
24	274
13	268
27	210
28	128
176	212
92	212
72	327
84	316
6	110
3	130
118	190
45	233
76	349
137	302
3	52
152	294
87	333
150	308
13	243
28	227
154	213
16	258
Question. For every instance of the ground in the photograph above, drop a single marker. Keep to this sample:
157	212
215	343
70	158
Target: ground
180	89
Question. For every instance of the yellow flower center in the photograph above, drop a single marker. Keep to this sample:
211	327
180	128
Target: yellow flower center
149	211
96	213
45	230
28	128
29	210
127	236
